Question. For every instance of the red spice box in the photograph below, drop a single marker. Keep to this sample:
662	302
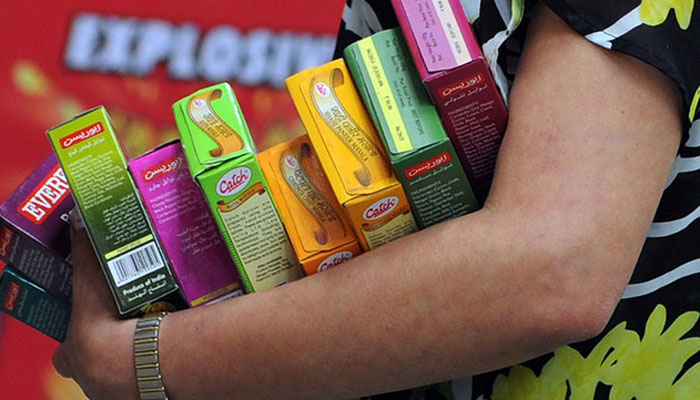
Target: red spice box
457	76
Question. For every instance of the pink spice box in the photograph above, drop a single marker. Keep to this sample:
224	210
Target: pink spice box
457	76
185	227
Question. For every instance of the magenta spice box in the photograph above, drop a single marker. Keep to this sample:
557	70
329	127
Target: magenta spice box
453	68
34	229
185	227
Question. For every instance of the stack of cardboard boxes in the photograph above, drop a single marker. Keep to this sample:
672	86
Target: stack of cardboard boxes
402	134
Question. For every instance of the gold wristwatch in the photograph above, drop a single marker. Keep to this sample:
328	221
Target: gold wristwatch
147	359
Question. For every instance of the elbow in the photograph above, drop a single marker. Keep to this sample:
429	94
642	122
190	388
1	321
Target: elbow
573	319
575	288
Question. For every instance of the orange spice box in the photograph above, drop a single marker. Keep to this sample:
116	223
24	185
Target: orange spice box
351	154
317	226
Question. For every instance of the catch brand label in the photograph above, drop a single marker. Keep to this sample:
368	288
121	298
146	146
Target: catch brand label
335	259
46	198
6	241
428	165
380	208
12	295
163	168
234	181
82	135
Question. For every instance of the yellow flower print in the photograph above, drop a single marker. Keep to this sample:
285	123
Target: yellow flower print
646	368
694	105
654	12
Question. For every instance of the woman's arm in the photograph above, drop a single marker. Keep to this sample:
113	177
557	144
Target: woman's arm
590	142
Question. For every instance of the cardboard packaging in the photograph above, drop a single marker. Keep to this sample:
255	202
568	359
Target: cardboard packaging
453	68
120	232
317	226
185	227
408	124
34	229
221	156
351	154
32	305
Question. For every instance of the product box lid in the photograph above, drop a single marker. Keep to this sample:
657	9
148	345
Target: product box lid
341	131
394	95
309	209
39	206
438	34
212	127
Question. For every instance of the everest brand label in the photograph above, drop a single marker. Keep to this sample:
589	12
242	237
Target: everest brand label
82	135
380	208
6	241
12	295
335	259
163	168
46	197
439	37
233	182
429	165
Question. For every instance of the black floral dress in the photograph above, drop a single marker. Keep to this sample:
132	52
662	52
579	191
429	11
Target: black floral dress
650	349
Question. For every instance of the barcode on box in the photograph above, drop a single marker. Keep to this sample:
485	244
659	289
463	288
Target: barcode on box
135	264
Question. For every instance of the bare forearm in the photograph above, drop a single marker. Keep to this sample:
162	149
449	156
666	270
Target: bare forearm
402	315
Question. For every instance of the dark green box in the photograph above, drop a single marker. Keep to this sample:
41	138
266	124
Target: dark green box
408	123
32	305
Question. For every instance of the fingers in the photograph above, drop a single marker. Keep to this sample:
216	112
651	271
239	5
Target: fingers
91	294
76	219
60	362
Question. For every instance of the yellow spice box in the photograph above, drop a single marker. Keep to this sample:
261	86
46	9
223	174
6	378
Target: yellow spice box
317	226
351	154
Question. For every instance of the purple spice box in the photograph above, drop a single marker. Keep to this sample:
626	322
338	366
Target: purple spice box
34	229
186	229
